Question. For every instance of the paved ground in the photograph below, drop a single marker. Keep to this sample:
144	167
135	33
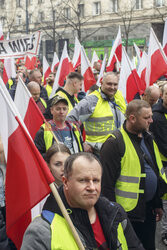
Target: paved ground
159	244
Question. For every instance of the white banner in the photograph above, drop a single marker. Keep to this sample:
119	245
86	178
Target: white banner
18	47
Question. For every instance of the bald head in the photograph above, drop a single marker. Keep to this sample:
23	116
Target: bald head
151	95
34	89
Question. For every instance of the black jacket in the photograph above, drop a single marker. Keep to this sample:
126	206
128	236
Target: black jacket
159	126
110	215
111	154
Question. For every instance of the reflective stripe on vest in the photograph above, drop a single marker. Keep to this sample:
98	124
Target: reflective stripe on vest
48	138
101	123
127	186
43	102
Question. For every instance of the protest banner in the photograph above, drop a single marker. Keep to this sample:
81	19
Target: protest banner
18	47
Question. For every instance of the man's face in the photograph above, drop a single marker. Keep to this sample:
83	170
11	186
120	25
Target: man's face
110	85
77	85
143	120
164	96
35	92
82	188
51	78
59	111
37	77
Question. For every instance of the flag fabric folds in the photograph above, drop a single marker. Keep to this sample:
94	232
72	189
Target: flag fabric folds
86	71
27	175
157	61
29	111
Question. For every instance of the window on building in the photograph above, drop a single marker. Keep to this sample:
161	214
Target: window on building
96	8
30	2
18	20
67	12
41	16
114	5
159	3
2	3
81	10
138	4
18	3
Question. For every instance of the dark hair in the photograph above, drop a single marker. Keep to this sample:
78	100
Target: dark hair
55	148
135	106
70	160
74	75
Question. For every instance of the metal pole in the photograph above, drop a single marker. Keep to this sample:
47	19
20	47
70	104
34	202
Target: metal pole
27	24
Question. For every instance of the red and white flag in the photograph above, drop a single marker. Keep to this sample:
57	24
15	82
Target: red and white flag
55	62
100	77
95	58
64	68
130	83
29	111
1	32
142	66
86	71
27	175
138	51
164	43
9	69
157	61
76	61
46	69
116	50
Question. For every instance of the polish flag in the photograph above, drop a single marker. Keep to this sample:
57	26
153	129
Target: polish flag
1	32
27	175
138	51
46	69
142	66
164	43
31	62
130	83
9	69
102	70
64	68
28	109
76	61
95	58
157	61
116	50
55	62
86	71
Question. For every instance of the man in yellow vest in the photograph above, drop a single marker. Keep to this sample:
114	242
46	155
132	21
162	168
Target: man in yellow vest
34	89
72	86
65	132
159	129
102	112
99	223
133	171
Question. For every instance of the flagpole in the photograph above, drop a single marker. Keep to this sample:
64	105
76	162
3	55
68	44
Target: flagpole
52	186
66	216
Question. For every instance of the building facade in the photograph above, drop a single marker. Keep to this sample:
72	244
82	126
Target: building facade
94	22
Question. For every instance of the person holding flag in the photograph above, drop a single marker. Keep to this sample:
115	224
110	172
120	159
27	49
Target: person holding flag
99	223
